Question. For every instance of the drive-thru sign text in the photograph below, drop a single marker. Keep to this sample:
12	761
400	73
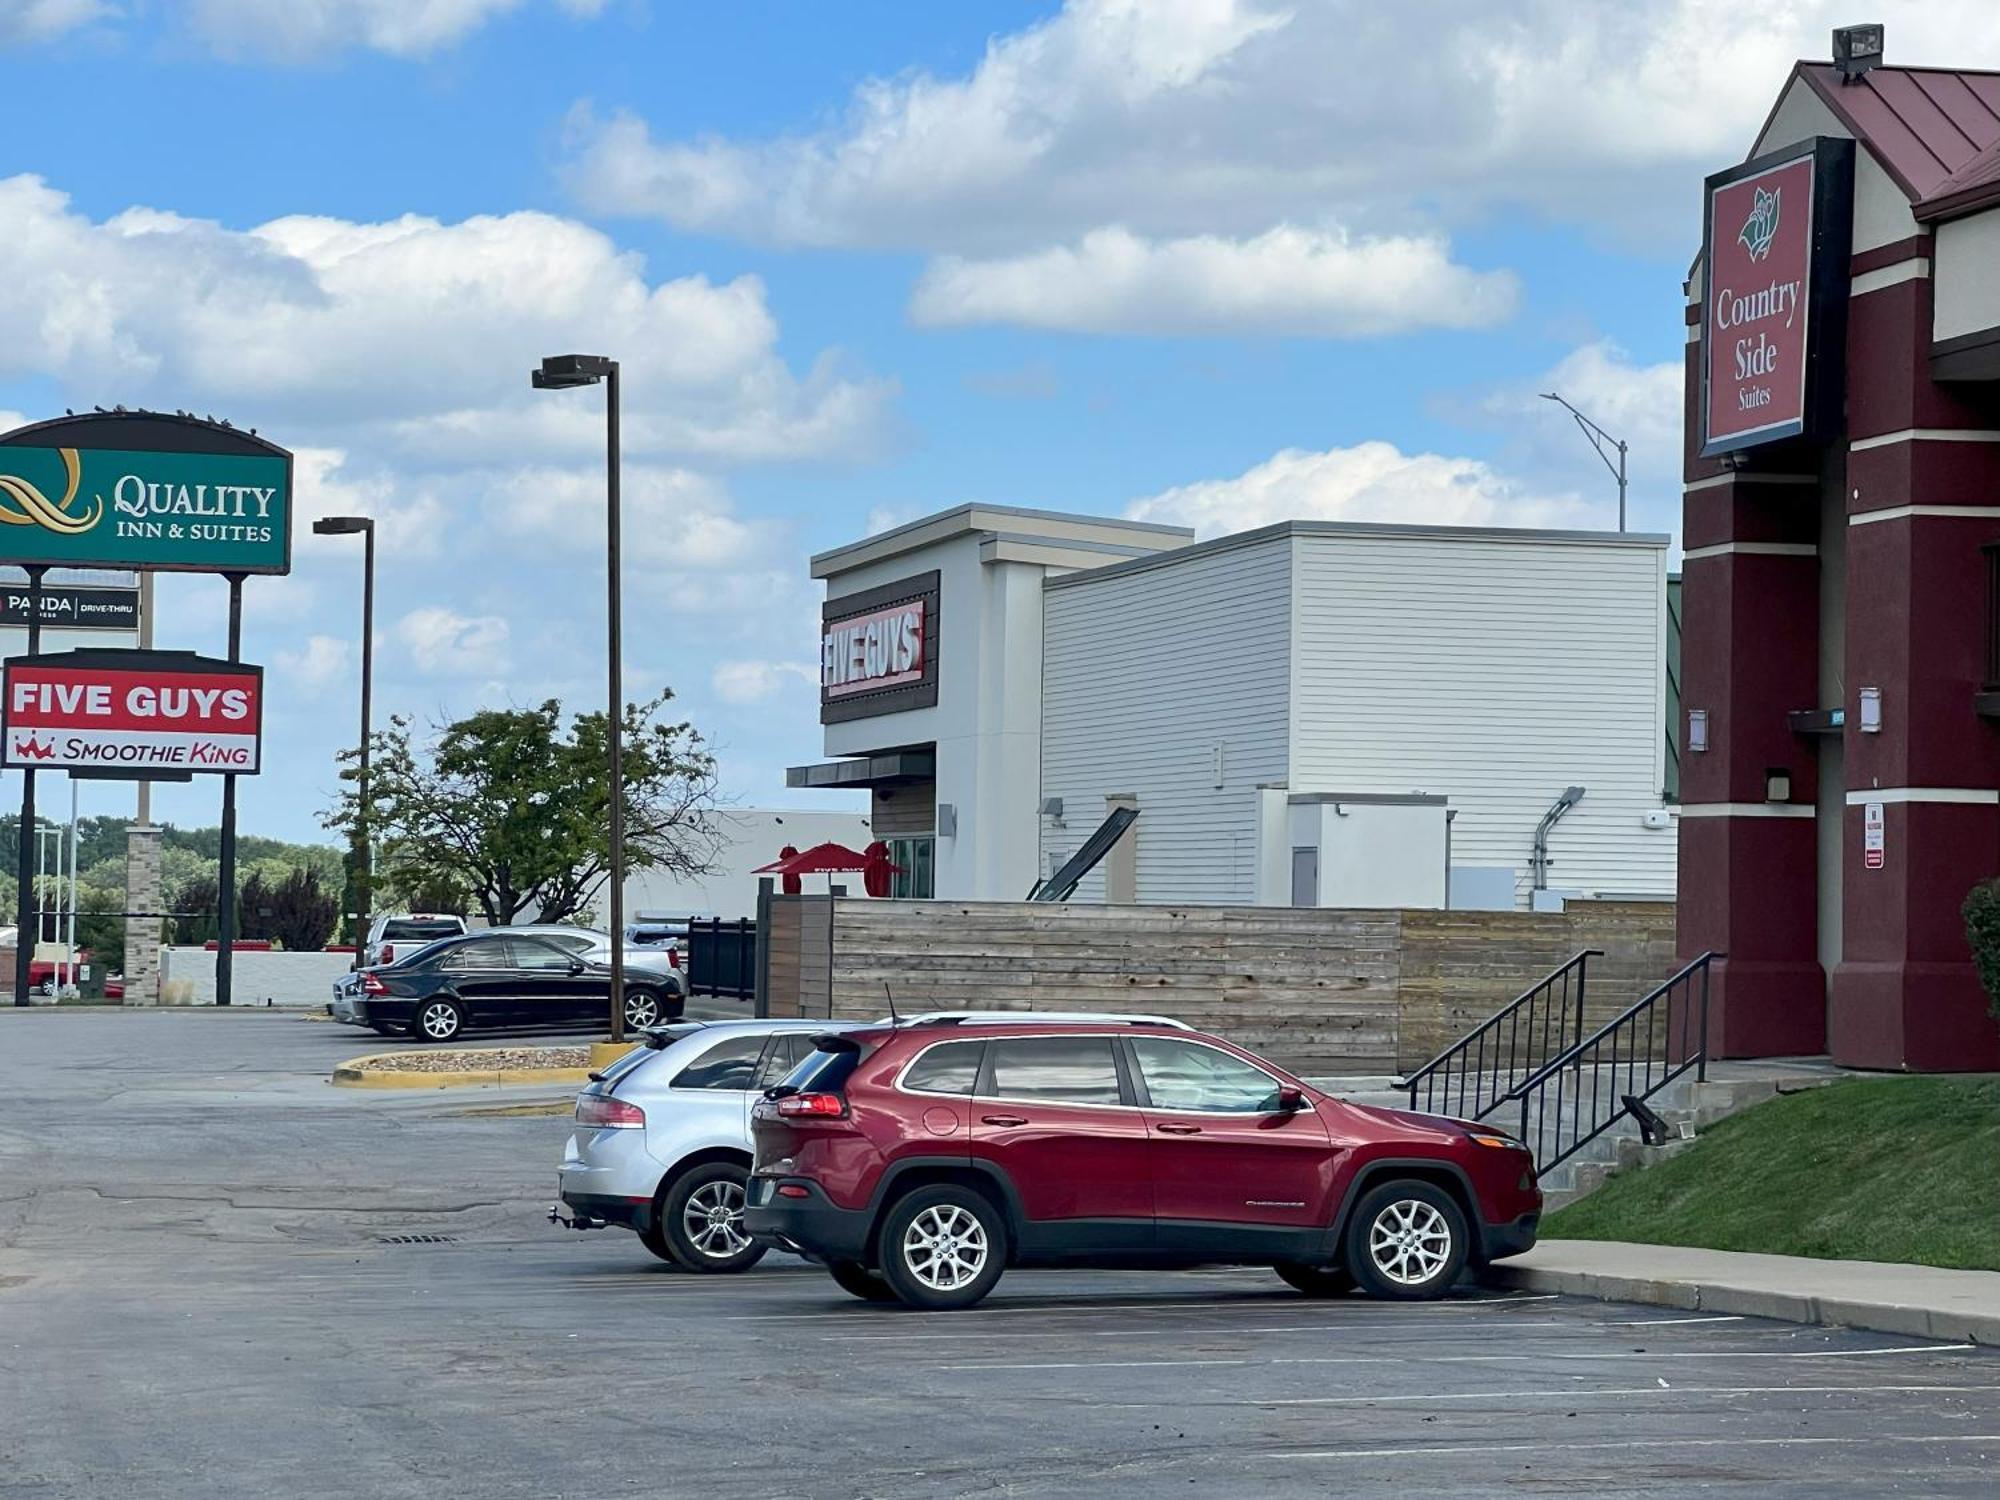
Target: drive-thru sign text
136	712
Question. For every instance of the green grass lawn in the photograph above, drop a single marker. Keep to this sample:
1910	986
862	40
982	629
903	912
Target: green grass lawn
1894	1169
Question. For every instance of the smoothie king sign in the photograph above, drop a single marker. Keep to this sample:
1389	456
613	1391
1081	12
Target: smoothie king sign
1775	268
131	713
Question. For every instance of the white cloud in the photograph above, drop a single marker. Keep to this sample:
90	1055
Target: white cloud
309	30
419	332
1372	481
323	661
1230	116
668	518
440	642
1285	281
25	21
749	682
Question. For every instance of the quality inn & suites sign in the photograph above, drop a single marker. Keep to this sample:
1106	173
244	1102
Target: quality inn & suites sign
141	490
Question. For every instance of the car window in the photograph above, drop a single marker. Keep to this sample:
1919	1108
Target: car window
408	929
950	1068
1182	1075
787	1050
730	1064
485	953
535	953
824	1070
572	942
1060	1069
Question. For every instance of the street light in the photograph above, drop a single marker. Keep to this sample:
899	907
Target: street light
364	878
563	372
1598	438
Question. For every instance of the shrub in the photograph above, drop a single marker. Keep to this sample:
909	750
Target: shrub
1982	932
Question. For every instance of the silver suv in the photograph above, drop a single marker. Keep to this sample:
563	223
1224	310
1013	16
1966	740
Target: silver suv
662	1139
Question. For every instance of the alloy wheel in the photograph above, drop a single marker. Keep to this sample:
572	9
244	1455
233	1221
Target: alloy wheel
1410	1242
641	1009
440	1022
712	1220
945	1247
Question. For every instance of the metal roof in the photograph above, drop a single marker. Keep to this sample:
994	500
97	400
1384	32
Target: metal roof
1936	131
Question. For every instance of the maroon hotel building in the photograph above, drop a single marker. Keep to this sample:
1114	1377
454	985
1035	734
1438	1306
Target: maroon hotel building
1841	668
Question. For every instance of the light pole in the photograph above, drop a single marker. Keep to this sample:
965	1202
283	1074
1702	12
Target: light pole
562	372
364	876
1598	439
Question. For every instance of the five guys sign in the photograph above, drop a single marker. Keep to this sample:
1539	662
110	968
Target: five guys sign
878	650
1775	255
131	714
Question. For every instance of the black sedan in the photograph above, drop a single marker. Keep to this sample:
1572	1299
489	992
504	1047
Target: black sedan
488	980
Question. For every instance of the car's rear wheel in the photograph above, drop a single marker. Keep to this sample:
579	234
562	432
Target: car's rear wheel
642	1008
857	1280
702	1220
1407	1240
438	1021
1316	1281
943	1247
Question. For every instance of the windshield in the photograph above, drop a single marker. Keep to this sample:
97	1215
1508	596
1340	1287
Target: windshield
824	1071
411	929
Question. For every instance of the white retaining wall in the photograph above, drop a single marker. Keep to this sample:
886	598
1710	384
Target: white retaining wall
187	977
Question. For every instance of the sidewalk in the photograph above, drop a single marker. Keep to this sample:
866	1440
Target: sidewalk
1917	1301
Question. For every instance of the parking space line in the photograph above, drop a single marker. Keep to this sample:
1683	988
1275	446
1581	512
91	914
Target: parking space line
1140	1333
1669	1322
1650	1392
1470	1359
1273	1303
1453	1450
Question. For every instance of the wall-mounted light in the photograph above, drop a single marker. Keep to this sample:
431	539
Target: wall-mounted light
1777	784
1697	729
1871	710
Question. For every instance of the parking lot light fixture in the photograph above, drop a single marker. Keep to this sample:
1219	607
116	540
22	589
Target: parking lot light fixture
563	372
364	875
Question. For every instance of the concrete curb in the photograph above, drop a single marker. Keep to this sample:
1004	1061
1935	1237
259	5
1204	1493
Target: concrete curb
1906	1319
370	1073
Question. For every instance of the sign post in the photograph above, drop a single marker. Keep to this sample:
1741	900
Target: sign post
1874	840
28	929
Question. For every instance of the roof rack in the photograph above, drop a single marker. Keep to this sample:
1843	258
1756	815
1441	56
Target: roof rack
1040	1017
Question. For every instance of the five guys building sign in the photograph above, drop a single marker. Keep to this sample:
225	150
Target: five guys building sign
131	714
1775	261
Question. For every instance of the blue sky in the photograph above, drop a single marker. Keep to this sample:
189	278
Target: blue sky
1220	261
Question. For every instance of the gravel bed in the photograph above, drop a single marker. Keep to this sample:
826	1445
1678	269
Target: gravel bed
483	1060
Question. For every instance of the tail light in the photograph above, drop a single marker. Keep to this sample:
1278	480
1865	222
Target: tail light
371	984
813	1106
607	1113
673	958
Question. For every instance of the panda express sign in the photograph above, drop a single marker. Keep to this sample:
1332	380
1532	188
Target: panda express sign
132	713
877	650
1774	315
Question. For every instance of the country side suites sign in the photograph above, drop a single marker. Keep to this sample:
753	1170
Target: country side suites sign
136	714
1774	313
144	490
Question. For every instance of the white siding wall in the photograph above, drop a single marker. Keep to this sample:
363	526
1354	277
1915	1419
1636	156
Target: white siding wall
1495	672
1144	674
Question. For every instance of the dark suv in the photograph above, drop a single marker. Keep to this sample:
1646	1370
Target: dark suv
920	1161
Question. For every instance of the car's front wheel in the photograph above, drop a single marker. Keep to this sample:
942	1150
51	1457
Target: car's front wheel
1407	1240
943	1247
438	1021
702	1220
642	1009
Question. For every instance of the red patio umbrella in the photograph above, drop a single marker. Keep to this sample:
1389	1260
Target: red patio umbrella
821	859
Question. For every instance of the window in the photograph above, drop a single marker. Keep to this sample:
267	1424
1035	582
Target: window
730	1064
1059	1069
912	881
481	953
1183	1075
572	942
824	1070
420	929
533	953
786	1051
947	1069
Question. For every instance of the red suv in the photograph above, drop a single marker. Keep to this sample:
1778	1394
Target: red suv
919	1161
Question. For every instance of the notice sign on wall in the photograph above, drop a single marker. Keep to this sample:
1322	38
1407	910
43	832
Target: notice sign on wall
137	713
1775	266
1874	841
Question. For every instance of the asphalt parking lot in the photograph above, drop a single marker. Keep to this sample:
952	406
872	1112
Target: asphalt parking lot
220	1277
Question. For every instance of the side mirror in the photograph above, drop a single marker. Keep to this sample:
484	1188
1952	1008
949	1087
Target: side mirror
576	967
1291	1100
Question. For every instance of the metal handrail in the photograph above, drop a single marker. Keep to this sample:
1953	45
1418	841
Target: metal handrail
1673	1044
1550	1028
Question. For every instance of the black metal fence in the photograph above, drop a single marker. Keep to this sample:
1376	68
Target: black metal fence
721	958
1482	1068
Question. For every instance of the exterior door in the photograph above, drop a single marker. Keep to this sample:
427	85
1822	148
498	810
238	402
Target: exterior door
1054	1114
482	976
548	989
1222	1151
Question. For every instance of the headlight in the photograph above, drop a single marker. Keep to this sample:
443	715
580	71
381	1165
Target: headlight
1498	1142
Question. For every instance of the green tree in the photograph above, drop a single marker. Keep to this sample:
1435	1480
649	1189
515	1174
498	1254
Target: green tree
512	807
292	910
1982	934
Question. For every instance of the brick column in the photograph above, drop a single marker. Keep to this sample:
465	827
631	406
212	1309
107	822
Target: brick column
1749	657
1923	497
142	934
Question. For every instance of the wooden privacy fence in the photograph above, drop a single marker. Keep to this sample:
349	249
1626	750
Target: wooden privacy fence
1318	991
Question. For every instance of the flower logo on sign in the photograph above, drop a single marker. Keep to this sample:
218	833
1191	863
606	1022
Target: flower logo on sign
1762	225
37	509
